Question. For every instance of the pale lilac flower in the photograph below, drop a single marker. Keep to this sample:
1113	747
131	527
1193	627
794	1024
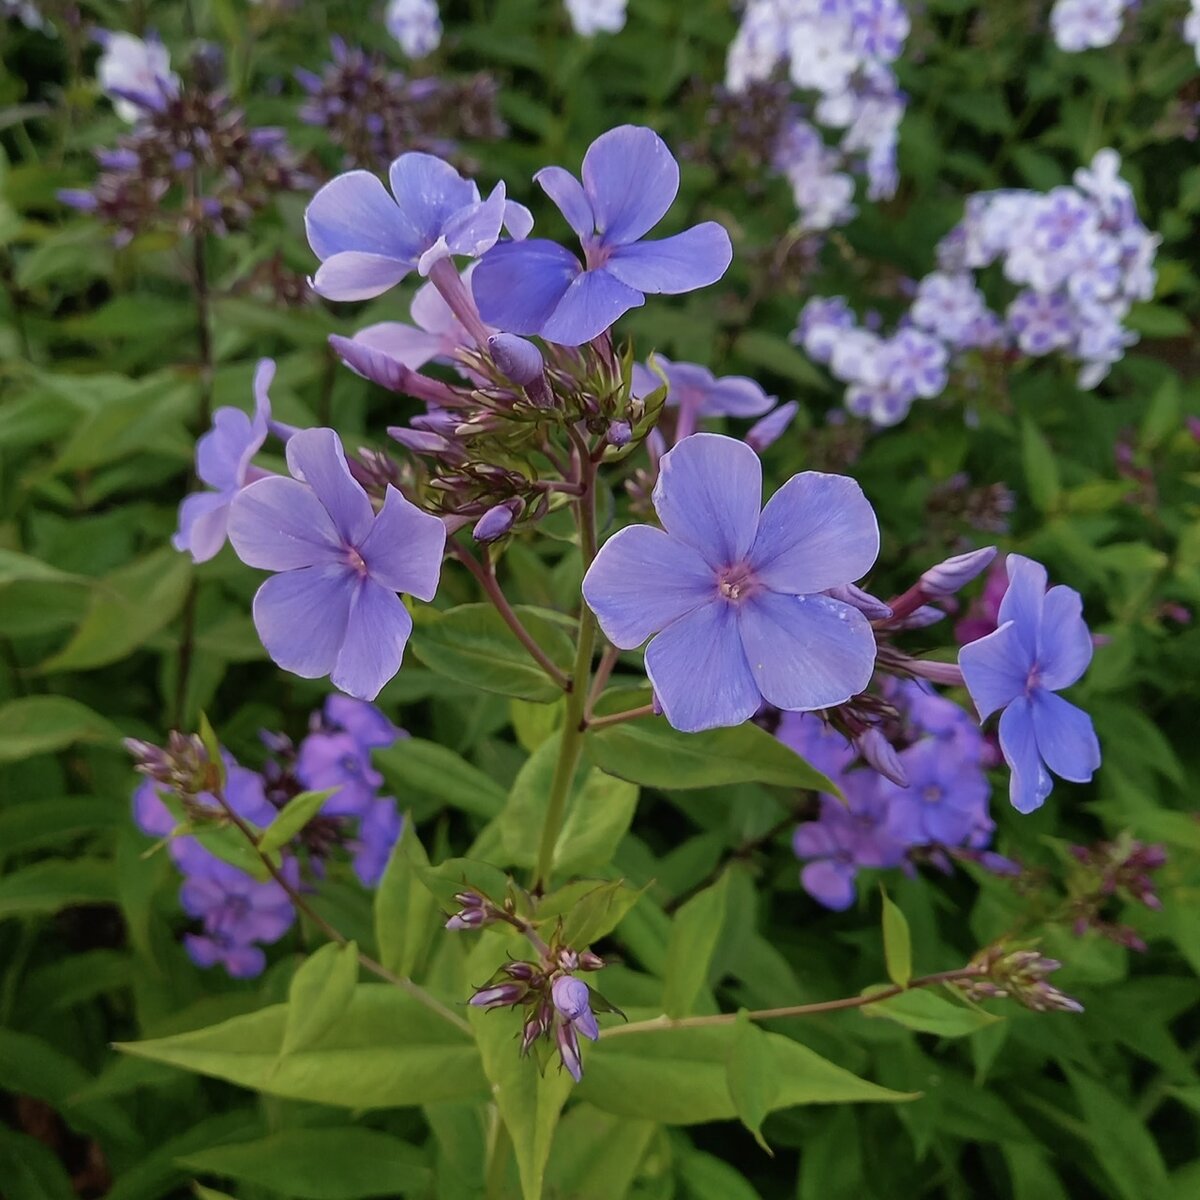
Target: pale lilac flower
378	832
630	180
333	609
732	595
1086	24
572	998
415	24
697	393
589	17
1042	321
945	799
223	457
136	75
339	760
950	306
770	428
1041	646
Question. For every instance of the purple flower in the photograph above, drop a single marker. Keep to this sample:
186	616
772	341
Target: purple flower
697	393
629	182
572	998
338	760
767	430
223	462
1042	321
1041	646
240	961
333	609
368	240
378	832
734	595
946	797
236	906
816	741
363	721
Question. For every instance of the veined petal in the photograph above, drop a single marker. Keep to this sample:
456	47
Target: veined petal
355	213
1065	644
1066	738
376	633
1030	783
1024	599
693	259
818	531
316	456
806	652
995	669
428	193
588	307
699	672
708	495
354	275
301	618
403	550
631	179
279	524
641	581
474	229
569	197
517	285
203	525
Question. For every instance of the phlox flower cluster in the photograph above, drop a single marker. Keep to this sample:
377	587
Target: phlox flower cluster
415	24
937	804
135	74
1080	25
840	52
1078	256
238	913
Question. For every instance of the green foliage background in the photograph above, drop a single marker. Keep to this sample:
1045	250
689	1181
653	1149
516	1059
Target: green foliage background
374	1095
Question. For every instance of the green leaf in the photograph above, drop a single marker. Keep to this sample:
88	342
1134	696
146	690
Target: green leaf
529	1100
694	936
928	1012
415	765
897	943
292	818
534	723
49	821
42	724
1041	467
128	607
206	1193
320	1164
752	1078
320	993
777	355
30	1170
597	913
212	747
388	1050
707	1177
17	567
472	644
680	1076
599	816
405	911
56	883
653	754
596	1156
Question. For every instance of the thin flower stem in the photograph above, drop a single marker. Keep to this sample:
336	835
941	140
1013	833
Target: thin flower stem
608	660
796	1010
630	714
334	934
486	576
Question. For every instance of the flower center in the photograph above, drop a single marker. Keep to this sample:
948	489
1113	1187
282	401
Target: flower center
931	794
737	583
357	563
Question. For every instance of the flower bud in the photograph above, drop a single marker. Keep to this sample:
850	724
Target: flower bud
520	970
947	674
568	1050
920	618
500	995
619	433
573	999
880	755
948	577
767	429
497	521
591	962
520	360
871	607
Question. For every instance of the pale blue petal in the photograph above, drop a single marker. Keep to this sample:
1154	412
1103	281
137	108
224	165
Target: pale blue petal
316	456
995	669
301	618
428	193
631	179
830	883
279	524
1023	601
1066	738
517	285
1064	642
693	259
355	213
1030	783
376	633
203	525
568	195
588	307
403	551
353	275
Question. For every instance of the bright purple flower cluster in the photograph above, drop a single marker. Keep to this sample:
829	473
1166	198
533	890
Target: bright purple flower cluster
1079	256
238	913
842	51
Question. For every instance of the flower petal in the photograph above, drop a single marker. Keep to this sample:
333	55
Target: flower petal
692	259
405	344
279	524
631	179
219	453
1024	599
641	581
517	285
301	618
403	550
830	883
355	213
818	531
316	456
588	307
736	396
699	671
1066	738
995	669
569	197
708	495
1030	783
475	228
203	525
430	311
375	637
354	275
428	191
1065	644
806	652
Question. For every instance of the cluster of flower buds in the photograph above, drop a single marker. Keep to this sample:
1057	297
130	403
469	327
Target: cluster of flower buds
955	503
183	765
192	162
373	112
1107	871
1018	973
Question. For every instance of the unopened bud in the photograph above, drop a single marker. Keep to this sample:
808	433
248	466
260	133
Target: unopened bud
619	433
947	674
497	521
870	606
520	360
590	962
500	995
920	618
568	1049
520	970
948	577
880	755
421	441
767	429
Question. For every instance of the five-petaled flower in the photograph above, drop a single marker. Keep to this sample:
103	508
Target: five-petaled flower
630	179
1041	646
733	594
333	609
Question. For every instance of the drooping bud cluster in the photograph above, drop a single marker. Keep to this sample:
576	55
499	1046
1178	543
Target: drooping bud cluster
1018	973
373	112
1106	872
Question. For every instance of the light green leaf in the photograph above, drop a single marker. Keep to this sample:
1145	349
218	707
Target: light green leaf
30	1170
320	993
694	936
206	1193
597	912
212	746
598	818
1041	467
707	1177
472	644
292	818
320	1164
42	724
415	765
897	943
596	1156
388	1050
405	911
927	1012
753	1082
534	723
45	822
56	883
651	753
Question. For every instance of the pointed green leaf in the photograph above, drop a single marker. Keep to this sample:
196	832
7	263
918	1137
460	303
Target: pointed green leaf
1041	467
405	911
897	943
694	935
292	818
319	995
753	1082
43	724
928	1012
415	765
